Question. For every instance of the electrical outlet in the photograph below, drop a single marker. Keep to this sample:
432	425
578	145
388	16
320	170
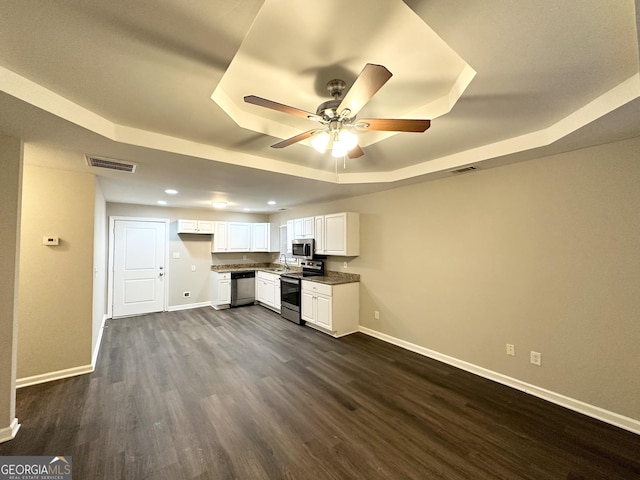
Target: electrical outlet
193	268
186	294
511	349
244	257
376	315
536	358
344	265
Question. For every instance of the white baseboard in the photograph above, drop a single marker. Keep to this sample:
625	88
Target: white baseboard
9	433
607	416
94	358
188	306
51	376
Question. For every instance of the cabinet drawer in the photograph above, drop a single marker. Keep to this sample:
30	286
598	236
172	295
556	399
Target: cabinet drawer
224	276
315	287
265	276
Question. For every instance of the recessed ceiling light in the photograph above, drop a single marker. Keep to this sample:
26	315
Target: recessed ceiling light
271	202
161	202
219	204
171	191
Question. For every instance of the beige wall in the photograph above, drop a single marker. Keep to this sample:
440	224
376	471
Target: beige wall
543	254
194	249
56	282
10	183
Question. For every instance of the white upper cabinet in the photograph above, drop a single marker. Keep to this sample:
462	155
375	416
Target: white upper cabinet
319	234
342	234
334	234
308	227
303	227
290	235
260	237
220	239
241	237
195	226
298	228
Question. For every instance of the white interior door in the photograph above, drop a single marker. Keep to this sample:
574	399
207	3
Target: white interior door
138	267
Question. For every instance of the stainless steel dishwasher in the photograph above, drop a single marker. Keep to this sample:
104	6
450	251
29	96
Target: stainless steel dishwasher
243	288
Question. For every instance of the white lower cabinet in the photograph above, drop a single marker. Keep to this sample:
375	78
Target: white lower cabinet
268	289
333	309
220	290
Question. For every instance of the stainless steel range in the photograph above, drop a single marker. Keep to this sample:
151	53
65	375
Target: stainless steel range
290	289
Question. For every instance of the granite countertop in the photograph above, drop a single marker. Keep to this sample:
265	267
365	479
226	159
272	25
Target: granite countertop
251	267
335	278
331	277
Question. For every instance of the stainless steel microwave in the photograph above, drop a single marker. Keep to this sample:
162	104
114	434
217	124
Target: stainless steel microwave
303	248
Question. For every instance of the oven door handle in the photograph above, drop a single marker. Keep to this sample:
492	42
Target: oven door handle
293	281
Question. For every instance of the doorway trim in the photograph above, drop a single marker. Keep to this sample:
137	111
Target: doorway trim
111	244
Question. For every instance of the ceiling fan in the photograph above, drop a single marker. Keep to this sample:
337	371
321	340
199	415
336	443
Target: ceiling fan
338	116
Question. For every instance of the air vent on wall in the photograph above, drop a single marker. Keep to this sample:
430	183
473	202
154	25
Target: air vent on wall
111	164
470	168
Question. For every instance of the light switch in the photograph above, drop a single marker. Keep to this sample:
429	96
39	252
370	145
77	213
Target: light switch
176	254
193	268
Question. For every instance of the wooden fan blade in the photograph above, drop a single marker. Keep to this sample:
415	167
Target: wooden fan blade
371	79
393	124
296	139
263	102
355	152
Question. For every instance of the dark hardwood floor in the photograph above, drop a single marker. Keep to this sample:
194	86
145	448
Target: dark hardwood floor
244	394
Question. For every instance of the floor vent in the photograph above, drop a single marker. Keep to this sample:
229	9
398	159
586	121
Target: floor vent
470	168
111	164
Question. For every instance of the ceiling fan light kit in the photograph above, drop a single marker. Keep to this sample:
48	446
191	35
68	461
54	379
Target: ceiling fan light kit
339	115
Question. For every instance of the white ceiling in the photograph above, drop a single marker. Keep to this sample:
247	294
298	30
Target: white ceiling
134	80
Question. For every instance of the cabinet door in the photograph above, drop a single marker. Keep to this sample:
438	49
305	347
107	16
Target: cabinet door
269	294
323	311
298	228
307	225
205	226
290	235
260	237
239	237
319	234
277	294
261	291
307	307
335	234
219	237
224	292
187	226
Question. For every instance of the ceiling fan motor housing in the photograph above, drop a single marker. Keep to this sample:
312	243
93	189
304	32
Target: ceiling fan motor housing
335	87
328	109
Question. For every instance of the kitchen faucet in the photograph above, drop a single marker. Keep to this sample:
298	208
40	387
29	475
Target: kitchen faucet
284	257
